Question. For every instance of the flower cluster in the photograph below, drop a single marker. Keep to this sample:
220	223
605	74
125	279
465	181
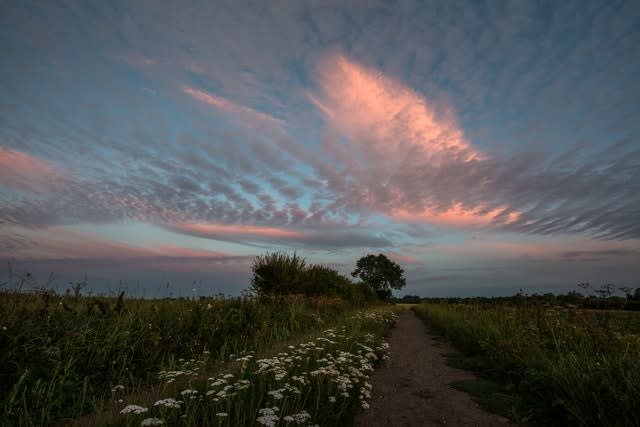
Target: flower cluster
306	384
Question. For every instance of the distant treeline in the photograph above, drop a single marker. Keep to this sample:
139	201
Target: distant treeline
601	298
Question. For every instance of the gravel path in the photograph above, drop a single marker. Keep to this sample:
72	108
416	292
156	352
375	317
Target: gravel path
413	387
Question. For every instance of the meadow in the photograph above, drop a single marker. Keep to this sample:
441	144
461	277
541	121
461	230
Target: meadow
66	356
569	366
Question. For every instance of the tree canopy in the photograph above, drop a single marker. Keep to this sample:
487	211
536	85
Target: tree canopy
380	273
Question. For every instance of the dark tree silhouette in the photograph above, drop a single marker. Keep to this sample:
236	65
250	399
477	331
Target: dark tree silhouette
380	273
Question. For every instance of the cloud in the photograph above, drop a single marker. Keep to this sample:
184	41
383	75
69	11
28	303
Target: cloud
24	172
404	159
396	141
599	254
182	252
404	259
256	119
60	243
458	216
235	231
326	238
479	127
386	119
61	249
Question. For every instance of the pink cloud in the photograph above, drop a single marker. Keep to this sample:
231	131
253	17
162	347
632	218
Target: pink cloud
404	259
235	230
398	144
24	172
385	118
458	216
179	251
61	243
255	118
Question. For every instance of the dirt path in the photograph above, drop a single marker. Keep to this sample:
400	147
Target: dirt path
413	387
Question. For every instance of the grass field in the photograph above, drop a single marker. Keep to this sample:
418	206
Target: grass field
64	356
578	367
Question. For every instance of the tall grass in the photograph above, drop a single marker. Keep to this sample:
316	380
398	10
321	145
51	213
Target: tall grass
62	355
319	381
583	366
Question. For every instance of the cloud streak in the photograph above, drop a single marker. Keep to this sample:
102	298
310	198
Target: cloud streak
257	119
344	237
24	172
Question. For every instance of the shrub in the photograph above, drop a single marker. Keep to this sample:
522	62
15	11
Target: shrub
277	274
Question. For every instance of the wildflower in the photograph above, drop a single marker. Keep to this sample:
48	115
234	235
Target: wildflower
332	399
117	387
168	403
276	394
222	414
133	409
268	416
151	422
365	405
298	418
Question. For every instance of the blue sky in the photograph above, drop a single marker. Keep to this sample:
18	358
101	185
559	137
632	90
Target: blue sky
485	146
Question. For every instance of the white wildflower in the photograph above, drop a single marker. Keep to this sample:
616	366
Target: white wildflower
151	422
169	403
268	416
298	418
268	420
133	409
276	394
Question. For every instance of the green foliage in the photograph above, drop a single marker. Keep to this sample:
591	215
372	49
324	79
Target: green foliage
381	274
62	354
318	380
277	274
580	365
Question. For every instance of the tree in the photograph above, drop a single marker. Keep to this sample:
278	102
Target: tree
380	273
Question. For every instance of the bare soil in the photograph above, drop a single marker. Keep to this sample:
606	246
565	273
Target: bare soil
412	388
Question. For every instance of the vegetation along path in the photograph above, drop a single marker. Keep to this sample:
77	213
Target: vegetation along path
413	387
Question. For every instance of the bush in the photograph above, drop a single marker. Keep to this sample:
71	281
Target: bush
277	274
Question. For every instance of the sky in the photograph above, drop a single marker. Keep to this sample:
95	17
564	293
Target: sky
159	146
